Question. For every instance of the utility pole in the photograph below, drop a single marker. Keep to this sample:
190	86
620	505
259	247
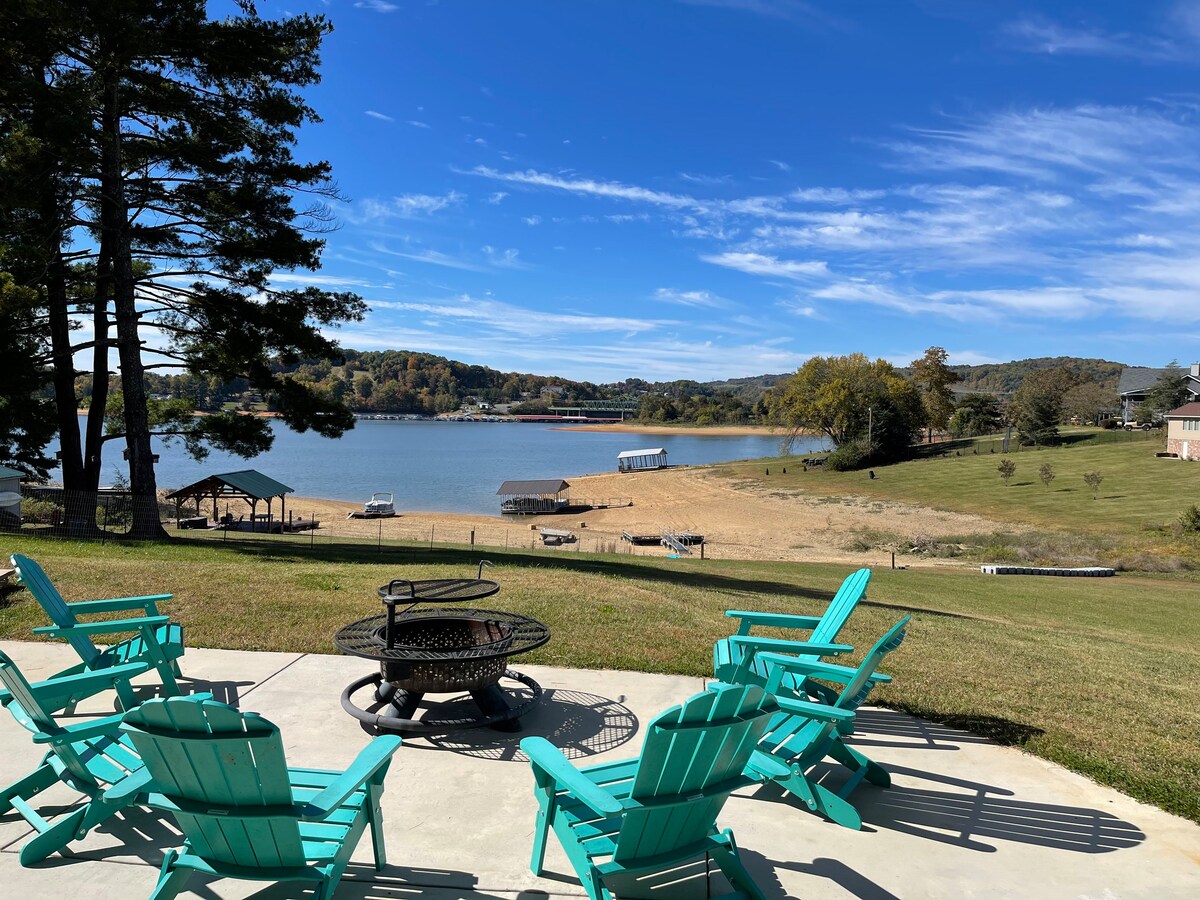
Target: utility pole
870	426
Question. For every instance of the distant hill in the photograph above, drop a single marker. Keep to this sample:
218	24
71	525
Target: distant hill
748	390
1005	378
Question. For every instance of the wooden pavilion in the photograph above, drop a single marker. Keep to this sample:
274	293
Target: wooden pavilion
248	485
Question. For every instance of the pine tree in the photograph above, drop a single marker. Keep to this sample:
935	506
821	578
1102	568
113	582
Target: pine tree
185	178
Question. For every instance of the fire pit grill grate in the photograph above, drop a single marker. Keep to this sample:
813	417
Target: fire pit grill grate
507	635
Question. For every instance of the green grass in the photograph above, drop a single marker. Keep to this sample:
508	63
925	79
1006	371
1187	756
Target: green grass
1096	674
1138	502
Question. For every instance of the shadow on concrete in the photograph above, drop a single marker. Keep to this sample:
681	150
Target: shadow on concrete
764	871
873	727
362	882
580	724
975	813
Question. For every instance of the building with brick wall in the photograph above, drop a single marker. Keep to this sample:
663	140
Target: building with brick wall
1183	431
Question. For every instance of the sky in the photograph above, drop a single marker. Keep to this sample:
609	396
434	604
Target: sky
723	188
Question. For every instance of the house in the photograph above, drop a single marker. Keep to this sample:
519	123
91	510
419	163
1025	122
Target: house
1183	431
1136	382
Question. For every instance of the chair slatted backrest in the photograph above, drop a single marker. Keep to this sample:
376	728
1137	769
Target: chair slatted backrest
693	758
33	715
47	595
214	762
838	612
852	695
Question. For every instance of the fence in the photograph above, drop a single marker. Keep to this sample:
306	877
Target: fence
52	512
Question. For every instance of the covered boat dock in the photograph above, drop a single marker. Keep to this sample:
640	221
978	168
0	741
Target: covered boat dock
547	495
638	460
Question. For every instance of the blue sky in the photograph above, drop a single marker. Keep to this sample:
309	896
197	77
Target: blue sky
720	188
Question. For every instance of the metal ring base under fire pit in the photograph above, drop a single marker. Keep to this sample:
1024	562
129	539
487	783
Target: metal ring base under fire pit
495	711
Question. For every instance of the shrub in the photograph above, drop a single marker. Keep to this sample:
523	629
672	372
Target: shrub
1092	480
1046	473
1109	424
849	457
1189	519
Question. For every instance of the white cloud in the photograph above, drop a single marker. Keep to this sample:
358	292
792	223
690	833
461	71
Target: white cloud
611	189
780	165
379	6
1041	35
758	264
402	206
504	259
432	257
532	220
378	115
415	123
702	299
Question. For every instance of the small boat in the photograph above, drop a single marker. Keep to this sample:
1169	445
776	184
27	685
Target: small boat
382	503
380	506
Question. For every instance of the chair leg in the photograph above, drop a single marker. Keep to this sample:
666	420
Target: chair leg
725	855
54	838
852	759
822	800
166	671
170	879
28	787
375	823
541	829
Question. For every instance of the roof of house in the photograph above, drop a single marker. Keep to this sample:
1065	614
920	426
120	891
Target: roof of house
250	482
6	472
632	454
1138	380
1187	411
542	486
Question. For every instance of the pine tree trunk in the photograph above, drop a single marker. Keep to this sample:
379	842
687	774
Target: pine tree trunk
114	219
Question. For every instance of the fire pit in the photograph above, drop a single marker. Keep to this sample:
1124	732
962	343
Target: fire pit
435	651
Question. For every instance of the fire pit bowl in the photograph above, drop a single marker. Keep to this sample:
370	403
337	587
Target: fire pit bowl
432	650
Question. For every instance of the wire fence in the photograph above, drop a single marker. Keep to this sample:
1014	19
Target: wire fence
111	514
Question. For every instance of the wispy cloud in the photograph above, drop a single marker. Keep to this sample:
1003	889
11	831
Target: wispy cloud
513	319
780	165
759	264
379	6
532	220
378	115
496	198
1038	34
403	206
612	189
700	299
416	123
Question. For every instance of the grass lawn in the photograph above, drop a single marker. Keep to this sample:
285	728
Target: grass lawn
1100	675
1137	503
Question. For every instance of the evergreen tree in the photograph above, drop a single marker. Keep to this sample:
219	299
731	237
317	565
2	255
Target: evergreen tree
1169	392
182	171
26	412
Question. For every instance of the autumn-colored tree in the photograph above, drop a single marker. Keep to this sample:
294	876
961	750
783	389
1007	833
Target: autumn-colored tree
933	378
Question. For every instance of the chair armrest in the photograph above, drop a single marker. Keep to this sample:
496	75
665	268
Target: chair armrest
803	647
545	756
55	692
129	788
148	603
69	734
814	668
778	620
370	760
109	627
819	711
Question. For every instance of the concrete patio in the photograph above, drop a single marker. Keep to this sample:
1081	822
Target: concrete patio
964	818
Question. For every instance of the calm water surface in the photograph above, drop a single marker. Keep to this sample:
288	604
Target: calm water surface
445	466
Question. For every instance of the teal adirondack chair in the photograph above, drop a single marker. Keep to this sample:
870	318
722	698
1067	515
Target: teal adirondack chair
658	811
244	813
87	756
735	657
804	734
159	641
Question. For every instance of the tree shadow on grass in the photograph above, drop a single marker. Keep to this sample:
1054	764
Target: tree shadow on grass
937	730
367	554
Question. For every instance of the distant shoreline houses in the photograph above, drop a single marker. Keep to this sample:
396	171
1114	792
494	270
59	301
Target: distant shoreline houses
1136	382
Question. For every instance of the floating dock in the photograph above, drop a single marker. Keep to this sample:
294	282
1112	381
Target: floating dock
1085	572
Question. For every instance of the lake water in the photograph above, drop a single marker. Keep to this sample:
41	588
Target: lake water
444	466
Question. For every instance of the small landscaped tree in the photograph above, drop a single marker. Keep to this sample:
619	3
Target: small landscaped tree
1093	479
1046	473
1007	470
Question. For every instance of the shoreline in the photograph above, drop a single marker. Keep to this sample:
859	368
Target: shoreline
638	428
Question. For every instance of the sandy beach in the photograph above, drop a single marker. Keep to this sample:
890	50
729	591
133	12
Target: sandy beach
738	522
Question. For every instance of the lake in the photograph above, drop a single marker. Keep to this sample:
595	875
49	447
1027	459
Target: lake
436	466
